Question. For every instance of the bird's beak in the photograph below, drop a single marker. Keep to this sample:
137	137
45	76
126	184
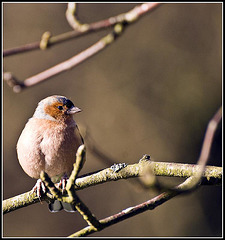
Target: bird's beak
73	110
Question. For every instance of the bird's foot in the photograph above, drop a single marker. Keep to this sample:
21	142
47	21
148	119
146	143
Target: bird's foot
39	188
62	183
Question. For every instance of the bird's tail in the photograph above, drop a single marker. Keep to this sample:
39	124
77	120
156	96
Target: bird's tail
57	206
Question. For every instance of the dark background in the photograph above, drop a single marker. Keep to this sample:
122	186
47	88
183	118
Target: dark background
153	91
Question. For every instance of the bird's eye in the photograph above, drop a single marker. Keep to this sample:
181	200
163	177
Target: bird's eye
69	104
60	107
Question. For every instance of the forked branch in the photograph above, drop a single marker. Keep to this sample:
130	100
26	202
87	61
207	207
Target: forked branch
119	23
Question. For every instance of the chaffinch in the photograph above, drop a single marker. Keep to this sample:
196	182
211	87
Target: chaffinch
49	142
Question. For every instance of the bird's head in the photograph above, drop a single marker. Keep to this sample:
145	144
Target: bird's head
55	108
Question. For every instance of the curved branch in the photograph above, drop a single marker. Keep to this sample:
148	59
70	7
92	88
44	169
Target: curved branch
127	17
206	147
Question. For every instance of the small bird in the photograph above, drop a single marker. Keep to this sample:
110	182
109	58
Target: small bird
49	143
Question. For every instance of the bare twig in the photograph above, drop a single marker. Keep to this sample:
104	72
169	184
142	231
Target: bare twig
77	166
206	147
127	17
72	20
36	45
96	26
64	66
68	64
13	82
72	196
119	21
56	193
86	213
132	211
150	179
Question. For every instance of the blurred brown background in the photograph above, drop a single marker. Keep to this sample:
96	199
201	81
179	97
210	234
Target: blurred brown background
153	91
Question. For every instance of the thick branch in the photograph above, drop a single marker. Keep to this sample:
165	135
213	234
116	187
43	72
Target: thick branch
211	176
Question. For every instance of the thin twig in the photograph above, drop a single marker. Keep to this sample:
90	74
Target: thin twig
77	166
72	196
206	147
132	211
119	22
150	179
96	26
68	64
56	193
36	45
127	17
